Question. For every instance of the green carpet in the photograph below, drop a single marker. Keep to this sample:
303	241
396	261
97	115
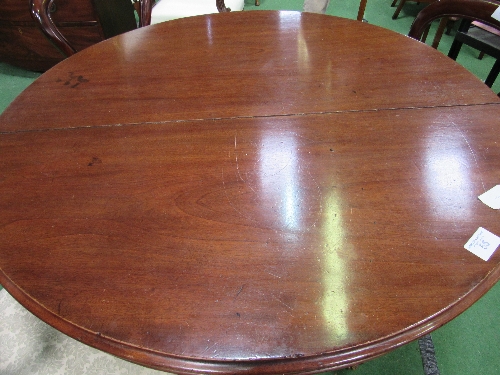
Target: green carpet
12	82
470	343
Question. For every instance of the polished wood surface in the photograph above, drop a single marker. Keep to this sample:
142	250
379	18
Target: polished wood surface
293	67
291	202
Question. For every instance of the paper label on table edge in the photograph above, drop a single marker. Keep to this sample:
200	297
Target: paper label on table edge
483	243
491	198
496	14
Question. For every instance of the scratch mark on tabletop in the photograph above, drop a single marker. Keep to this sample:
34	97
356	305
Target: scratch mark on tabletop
238	165
239	291
411	183
210	346
272	274
470	148
240	177
238	168
229	200
320	196
289	309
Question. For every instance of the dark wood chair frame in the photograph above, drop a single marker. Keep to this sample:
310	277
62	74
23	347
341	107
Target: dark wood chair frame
481	40
40	12
402	3
468	10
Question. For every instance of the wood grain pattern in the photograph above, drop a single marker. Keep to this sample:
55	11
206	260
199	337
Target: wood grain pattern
183	219
299	64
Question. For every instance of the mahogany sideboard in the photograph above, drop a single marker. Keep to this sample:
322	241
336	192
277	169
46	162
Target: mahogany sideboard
82	22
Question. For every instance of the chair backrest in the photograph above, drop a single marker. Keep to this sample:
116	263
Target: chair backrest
116	17
475	10
145	12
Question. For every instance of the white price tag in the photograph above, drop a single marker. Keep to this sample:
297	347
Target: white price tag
483	244
491	198
496	14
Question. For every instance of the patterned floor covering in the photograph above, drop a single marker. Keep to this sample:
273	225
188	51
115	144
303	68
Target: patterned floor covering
32	347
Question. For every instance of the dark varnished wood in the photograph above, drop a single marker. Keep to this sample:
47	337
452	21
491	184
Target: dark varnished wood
79	23
24	45
41	14
299	63
178	220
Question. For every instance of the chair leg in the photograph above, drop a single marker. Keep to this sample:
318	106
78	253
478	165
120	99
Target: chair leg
450	25
257	3
424	35
398	9
361	10
439	32
455	49
457	45
393	4
490	80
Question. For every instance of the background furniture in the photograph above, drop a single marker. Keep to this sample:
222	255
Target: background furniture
41	11
484	38
249	213
402	4
361	10
83	23
443	24
469	10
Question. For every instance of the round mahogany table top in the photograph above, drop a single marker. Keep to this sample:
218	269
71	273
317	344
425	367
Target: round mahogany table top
249	192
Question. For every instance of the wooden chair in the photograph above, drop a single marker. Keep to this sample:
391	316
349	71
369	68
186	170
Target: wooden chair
470	11
440	30
82	22
106	10
402	4
482	38
41	12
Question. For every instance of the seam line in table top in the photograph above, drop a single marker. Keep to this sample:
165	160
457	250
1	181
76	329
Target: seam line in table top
278	115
